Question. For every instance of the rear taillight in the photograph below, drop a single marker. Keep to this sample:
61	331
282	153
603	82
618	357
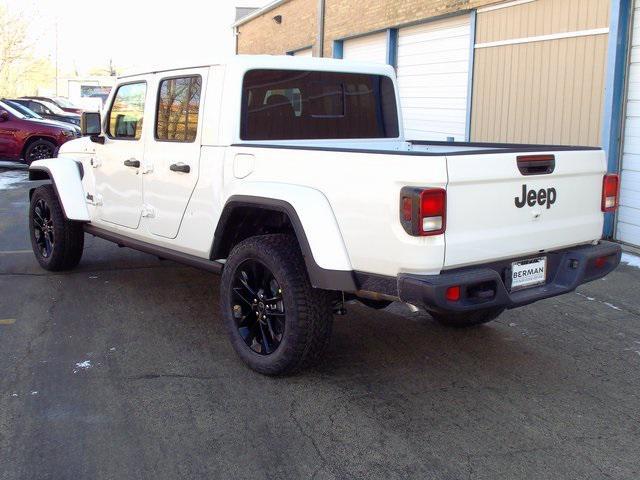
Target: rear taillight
453	293
407	208
610	186
600	262
423	210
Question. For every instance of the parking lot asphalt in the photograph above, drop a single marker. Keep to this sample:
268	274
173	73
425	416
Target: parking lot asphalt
121	369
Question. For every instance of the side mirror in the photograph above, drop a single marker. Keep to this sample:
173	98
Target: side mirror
4	115
90	123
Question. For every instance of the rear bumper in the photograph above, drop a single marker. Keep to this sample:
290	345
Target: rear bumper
487	286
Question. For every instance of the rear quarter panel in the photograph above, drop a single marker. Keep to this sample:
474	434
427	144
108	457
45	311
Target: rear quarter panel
363	190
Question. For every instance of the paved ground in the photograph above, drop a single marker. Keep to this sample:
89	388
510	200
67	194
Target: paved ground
121	370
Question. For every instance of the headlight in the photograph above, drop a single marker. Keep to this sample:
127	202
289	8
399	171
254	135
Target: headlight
68	133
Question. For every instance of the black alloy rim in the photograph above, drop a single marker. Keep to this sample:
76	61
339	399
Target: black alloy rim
257	307
43	228
40	152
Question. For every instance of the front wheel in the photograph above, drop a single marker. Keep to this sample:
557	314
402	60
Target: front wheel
277	322
57	242
40	150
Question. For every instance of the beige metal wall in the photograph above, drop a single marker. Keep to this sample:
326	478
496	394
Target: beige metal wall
545	90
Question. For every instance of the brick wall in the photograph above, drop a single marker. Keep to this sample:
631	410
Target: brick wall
343	18
298	29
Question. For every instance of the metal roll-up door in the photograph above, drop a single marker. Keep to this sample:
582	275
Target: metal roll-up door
433	78
368	48
628	227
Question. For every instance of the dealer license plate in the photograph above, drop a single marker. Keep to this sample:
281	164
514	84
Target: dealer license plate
528	273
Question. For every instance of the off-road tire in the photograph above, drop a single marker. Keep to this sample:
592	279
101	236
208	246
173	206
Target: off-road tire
464	320
69	235
309	316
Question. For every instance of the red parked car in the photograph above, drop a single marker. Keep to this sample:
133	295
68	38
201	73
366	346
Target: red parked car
27	139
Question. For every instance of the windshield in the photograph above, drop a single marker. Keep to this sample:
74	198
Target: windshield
63	102
24	110
52	106
11	110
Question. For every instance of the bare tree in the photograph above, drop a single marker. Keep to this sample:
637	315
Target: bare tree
14	45
21	73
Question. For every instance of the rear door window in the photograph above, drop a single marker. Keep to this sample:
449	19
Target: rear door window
295	105
178	109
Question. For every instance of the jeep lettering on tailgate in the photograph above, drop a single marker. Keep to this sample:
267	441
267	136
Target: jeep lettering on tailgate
541	197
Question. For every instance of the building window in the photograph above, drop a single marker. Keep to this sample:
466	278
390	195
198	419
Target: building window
178	109
127	111
298	104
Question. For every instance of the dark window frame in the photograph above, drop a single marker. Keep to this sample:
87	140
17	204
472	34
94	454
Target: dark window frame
107	130
155	123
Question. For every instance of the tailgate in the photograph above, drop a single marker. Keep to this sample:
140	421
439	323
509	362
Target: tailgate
499	207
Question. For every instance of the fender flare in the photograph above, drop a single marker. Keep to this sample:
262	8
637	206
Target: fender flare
65	175
314	224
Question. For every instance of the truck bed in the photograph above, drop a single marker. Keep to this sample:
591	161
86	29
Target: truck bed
490	213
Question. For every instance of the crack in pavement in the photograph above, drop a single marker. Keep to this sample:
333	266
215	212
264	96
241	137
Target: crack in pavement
38	336
605	303
307	435
153	376
89	272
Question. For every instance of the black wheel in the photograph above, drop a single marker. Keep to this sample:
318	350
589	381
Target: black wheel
463	320
278	323
57	243
39	150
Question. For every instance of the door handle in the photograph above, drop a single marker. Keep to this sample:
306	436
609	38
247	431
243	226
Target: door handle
132	163
180	167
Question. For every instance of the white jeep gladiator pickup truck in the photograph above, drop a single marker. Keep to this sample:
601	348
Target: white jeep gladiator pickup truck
292	178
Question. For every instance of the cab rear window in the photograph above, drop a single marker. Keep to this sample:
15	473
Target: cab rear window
296	105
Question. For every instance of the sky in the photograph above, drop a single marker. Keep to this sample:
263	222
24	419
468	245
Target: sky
133	33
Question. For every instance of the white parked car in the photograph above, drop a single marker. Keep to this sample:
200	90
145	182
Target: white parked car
292	178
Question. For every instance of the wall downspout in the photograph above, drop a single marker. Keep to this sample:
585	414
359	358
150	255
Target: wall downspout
619	32
235	37
320	48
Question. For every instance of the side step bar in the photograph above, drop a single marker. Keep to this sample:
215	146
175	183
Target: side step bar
162	252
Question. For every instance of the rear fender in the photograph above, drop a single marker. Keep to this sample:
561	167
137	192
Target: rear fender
65	175
314	223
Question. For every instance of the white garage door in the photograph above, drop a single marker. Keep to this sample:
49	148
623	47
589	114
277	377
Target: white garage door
370	48
628	228
433	75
